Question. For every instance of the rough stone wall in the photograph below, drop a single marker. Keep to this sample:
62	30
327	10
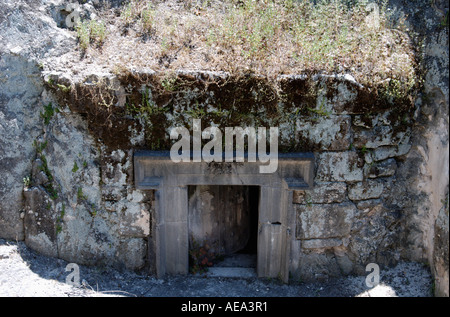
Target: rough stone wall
426	166
92	214
349	220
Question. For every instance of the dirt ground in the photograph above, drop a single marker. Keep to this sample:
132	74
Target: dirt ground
24	273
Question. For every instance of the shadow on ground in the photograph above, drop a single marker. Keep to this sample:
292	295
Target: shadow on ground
26	273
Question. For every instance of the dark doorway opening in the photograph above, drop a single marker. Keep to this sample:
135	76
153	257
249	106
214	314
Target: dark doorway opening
253	204
225	219
243	262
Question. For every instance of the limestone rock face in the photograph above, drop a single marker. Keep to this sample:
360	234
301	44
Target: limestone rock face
19	126
26	35
426	166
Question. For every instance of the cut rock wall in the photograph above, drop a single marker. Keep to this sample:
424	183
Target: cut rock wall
426	165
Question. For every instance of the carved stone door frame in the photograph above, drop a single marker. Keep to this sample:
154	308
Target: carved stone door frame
155	170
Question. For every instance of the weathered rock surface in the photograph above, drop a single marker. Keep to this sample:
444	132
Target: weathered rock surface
27	34
425	168
322	193
67	189
19	126
339	167
325	221
365	190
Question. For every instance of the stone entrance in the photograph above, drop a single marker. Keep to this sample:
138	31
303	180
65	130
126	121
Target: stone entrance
224	220
276	220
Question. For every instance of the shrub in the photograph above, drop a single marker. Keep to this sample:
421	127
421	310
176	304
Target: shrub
90	32
200	257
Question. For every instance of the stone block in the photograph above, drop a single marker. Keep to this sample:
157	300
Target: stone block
382	135
365	190
321	243
115	169
339	167
322	193
135	221
368	205
382	169
132	253
386	152
364	121
317	267
113	193
324	221
326	133
346	93
343	260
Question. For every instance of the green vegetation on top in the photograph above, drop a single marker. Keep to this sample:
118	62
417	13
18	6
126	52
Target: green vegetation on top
264	37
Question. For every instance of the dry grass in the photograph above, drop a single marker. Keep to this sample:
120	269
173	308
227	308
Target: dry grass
265	37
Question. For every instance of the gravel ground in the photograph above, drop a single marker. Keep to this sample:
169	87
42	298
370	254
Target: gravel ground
23	273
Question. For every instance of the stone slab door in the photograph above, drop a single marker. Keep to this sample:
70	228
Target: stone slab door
273	234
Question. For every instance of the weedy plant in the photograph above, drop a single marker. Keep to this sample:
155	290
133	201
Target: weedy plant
271	37
89	32
48	113
26	181
263	37
201	257
75	167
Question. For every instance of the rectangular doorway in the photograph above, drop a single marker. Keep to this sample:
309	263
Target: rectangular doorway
154	170
223	229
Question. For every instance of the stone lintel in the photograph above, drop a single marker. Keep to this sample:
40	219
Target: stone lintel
152	168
